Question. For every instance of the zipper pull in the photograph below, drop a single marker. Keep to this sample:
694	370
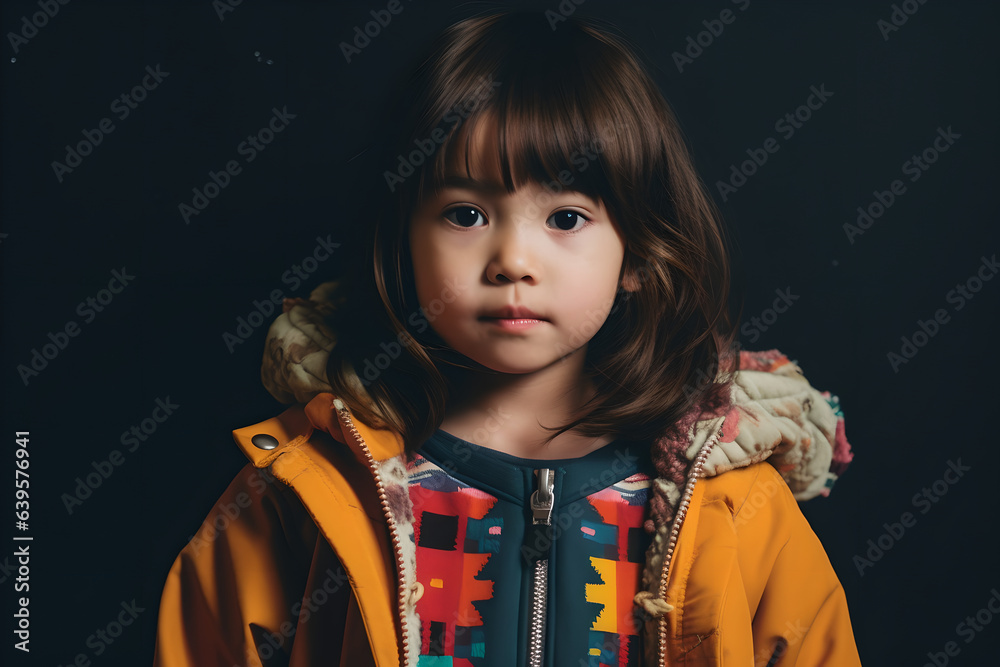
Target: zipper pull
538	539
542	498
540	533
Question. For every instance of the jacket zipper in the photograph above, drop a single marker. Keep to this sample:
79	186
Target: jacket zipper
682	508
393	530
541	509
541	512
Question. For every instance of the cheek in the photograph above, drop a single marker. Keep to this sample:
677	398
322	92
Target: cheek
604	261
586	299
595	287
435	269
424	264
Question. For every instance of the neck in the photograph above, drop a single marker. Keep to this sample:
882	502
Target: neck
507	412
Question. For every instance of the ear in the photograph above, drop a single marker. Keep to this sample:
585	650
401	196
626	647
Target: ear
630	280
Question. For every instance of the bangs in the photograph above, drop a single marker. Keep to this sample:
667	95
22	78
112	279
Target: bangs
558	106
565	158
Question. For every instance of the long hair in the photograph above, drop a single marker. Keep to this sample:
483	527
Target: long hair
573	99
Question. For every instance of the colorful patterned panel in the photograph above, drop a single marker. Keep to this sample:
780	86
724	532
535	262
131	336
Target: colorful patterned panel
622	511
454	541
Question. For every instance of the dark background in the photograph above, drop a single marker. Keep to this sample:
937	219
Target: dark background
162	335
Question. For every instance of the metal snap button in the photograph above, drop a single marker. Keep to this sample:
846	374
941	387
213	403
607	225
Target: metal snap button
264	441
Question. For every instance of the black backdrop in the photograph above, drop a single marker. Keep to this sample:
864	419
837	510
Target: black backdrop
889	92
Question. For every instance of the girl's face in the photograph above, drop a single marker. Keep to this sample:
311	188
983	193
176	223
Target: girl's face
478	252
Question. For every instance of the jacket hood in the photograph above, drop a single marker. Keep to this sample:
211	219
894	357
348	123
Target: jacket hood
772	414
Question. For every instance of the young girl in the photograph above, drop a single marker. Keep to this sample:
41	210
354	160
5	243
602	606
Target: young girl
523	434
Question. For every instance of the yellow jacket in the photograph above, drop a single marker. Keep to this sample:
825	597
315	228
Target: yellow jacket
307	557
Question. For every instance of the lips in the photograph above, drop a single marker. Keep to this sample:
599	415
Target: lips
513	313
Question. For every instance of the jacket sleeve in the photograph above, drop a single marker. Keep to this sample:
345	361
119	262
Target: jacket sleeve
234	595
800	612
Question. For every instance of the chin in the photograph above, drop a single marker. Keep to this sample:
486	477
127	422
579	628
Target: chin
513	370
517	366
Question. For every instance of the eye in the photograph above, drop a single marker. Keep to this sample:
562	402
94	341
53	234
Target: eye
567	220
464	216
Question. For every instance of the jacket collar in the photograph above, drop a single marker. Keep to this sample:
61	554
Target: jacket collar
263	442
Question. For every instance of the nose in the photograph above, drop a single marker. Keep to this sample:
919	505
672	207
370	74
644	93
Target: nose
514	254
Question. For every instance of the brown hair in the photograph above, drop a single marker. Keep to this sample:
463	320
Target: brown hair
570	98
